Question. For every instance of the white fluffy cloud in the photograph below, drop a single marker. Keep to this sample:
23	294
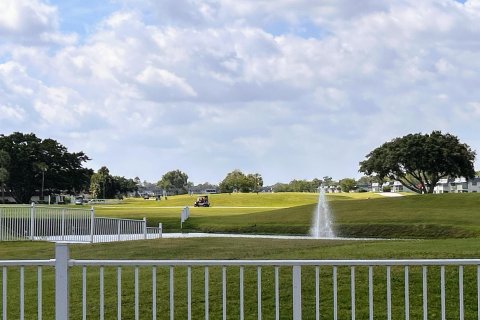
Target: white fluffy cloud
291	89
31	22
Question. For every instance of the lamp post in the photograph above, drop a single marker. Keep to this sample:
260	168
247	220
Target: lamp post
43	182
104	180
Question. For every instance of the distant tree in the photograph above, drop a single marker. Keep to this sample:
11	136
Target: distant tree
419	161
300	186
174	181
254	182
26	151
203	186
327	181
121	186
347	184
280	187
366	180
139	186
297	186
99	182
316	183
234	181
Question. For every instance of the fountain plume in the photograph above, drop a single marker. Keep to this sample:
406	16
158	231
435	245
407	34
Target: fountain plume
322	218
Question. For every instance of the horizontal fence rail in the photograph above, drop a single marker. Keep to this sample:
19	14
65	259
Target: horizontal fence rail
70	225
239	289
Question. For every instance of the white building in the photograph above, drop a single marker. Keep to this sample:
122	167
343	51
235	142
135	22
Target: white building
376	187
397	186
457	185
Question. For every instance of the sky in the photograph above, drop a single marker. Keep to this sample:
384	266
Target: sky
290	89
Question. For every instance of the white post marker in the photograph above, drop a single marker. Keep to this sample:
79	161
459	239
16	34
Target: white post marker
32	221
62	256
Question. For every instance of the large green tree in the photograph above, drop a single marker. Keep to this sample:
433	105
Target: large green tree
254	182
419	161
174	181
234	181
347	184
30	155
240	182
101	184
122	185
104	185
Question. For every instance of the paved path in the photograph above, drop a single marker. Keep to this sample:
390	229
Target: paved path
390	194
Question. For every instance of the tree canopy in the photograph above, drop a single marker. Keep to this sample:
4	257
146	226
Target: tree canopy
299	186
174	181
238	181
347	184
104	185
419	161
30	155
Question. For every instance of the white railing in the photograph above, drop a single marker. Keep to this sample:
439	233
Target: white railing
239	289
69	224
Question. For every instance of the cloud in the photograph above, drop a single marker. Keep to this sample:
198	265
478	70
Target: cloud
31	22
163	84
12	113
290	89
24	17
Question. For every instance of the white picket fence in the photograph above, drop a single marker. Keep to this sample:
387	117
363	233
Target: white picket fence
444	288
44	223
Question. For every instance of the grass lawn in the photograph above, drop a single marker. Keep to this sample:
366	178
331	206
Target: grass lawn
225	248
355	214
432	226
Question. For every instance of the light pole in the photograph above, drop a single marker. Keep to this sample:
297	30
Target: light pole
104	180
43	182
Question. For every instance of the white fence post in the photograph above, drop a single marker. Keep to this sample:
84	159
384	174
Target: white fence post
32	221
92	224
118	229
160	229
297	292
144	227
62	257
63	225
184	216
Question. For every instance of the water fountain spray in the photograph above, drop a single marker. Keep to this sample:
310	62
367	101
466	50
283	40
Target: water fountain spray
322	218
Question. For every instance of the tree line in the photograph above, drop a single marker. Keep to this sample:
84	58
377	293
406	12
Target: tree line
30	165
33	166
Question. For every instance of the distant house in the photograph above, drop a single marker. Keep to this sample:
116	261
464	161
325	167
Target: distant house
376	187
397	186
363	187
458	185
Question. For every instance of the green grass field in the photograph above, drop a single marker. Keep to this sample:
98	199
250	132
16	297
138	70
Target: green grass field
426	226
355	214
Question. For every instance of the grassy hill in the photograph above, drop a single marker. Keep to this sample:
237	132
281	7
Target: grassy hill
355	215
